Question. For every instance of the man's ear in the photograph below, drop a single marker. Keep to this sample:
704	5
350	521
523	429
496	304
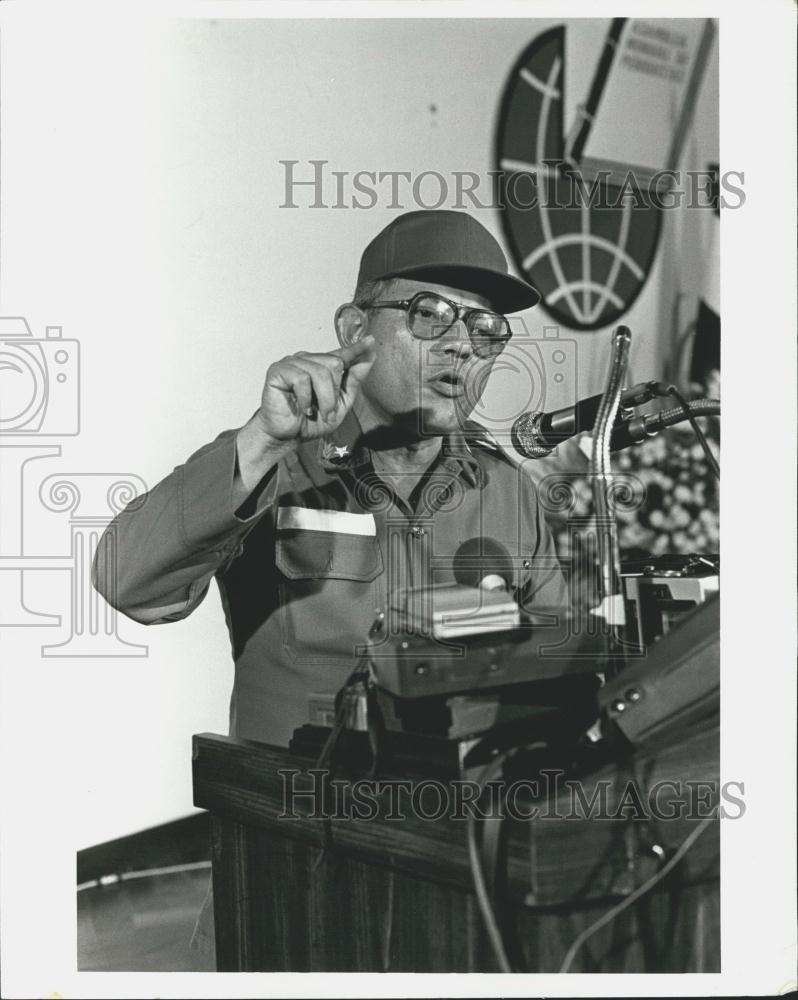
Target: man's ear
351	324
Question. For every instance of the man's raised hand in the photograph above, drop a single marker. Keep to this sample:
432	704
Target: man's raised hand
308	395
305	396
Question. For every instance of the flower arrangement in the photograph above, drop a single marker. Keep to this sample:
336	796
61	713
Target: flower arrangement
678	511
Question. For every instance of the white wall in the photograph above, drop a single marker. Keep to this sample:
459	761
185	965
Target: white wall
140	211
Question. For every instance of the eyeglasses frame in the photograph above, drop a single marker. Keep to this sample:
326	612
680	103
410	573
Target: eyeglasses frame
461	312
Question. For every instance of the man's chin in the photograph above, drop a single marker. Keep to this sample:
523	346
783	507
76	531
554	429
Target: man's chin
436	421
415	425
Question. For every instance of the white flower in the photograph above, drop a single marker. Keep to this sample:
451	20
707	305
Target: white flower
679	516
661	545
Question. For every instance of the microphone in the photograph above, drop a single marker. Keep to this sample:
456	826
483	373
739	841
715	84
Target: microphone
484	563
537	434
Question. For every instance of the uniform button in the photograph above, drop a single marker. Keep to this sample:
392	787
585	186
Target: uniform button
418	531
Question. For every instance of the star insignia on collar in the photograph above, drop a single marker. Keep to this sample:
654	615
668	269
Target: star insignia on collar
336	454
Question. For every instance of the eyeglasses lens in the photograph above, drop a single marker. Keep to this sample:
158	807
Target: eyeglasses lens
430	317
489	333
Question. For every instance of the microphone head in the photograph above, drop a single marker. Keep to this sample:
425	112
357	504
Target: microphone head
526	438
483	562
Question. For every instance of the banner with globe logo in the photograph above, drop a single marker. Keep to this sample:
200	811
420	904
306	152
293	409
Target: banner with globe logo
587	238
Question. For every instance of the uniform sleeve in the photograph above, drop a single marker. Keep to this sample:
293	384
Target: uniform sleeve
156	559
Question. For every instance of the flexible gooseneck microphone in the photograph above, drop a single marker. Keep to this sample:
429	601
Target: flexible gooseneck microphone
536	435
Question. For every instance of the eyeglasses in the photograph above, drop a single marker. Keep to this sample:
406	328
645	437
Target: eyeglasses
430	315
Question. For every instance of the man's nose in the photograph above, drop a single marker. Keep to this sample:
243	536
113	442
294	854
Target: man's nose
456	341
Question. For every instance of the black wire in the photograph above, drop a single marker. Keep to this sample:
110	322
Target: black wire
483	900
673	391
347	700
640	891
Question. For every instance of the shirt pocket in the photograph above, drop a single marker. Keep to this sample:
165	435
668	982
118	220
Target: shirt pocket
327	555
328	599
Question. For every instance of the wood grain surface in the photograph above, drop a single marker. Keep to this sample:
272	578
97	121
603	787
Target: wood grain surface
397	894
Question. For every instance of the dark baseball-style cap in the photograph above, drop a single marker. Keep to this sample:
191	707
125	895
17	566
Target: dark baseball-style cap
447	248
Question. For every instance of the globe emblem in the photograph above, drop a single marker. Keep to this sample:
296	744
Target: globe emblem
587	248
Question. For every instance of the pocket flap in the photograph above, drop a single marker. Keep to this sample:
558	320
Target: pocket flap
330	555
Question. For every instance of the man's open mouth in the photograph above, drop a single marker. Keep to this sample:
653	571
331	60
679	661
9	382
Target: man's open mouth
449	383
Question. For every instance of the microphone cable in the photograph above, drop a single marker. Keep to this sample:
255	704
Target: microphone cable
640	891
688	412
495	935
346	701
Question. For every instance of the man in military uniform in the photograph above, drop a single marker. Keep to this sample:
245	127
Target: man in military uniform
359	474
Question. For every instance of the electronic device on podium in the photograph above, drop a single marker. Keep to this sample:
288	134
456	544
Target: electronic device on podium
659	590
450	665
464	667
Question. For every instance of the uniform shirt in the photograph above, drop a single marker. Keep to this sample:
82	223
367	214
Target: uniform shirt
308	561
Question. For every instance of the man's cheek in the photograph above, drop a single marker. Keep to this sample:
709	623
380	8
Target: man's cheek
476	381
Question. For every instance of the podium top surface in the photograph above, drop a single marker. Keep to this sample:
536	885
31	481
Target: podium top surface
419	825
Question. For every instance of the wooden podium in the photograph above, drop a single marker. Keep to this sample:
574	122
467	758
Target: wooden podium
397	894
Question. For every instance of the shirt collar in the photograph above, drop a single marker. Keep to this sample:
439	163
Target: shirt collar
456	455
342	450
